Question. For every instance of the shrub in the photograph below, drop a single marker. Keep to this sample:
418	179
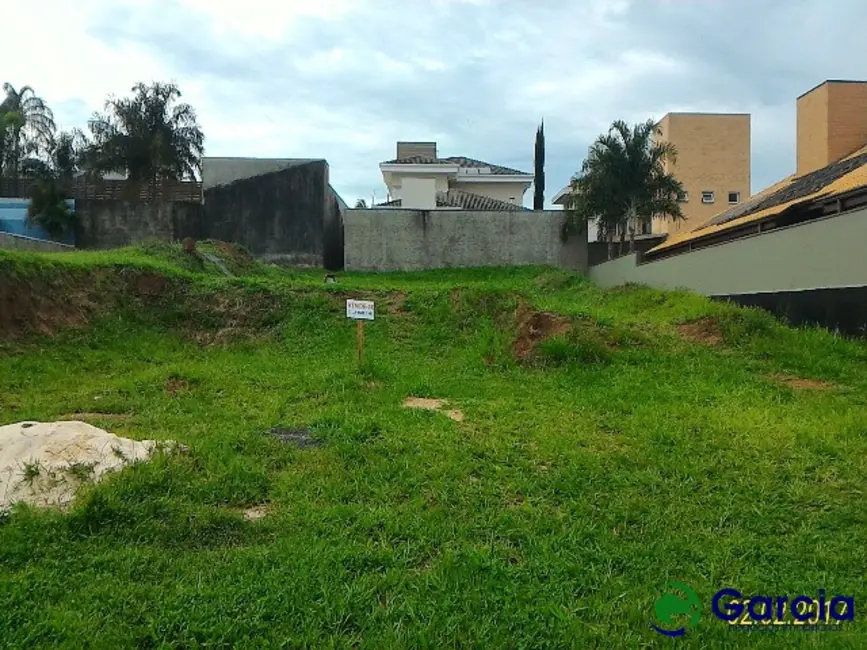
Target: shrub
50	210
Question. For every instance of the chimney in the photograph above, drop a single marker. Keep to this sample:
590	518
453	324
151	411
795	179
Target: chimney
832	123
412	149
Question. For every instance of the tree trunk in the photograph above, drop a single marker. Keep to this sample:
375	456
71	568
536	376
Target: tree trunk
622	238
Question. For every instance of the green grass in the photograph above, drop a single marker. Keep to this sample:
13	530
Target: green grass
618	457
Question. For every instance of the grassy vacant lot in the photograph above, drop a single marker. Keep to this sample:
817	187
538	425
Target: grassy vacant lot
626	450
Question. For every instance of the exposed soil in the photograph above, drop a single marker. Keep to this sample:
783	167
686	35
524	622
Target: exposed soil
430	404
35	305
237	255
176	385
801	383
149	284
254	513
533	327
395	302
704	330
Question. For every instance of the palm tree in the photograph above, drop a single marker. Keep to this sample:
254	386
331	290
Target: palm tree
28	126
623	183
360	203
149	136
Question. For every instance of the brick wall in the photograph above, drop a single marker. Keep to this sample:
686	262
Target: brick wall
713	154
832	123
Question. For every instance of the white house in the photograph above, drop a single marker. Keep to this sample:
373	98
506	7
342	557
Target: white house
418	178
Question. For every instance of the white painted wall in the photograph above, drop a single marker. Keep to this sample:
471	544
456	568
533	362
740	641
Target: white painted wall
395	188
418	193
820	254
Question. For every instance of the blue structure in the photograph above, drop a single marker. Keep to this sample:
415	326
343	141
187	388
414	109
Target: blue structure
13	219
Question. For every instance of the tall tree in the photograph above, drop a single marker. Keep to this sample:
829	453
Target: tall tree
539	179
28	128
150	136
623	183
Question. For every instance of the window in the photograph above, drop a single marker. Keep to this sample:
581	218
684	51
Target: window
707	197
685	197
734	197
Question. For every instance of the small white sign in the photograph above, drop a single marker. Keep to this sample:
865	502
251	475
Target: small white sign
359	309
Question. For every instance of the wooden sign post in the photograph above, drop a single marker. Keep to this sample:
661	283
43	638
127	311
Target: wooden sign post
359	311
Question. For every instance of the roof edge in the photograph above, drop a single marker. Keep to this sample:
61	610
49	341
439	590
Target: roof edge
832	81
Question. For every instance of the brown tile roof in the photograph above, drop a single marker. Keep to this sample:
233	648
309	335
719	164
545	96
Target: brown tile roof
845	175
461	161
466	200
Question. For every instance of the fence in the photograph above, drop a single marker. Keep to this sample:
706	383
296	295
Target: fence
88	189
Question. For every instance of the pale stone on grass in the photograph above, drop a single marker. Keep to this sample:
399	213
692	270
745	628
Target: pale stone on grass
44	463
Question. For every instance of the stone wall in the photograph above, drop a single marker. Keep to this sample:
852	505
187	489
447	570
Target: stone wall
290	215
9	241
392	239
110	224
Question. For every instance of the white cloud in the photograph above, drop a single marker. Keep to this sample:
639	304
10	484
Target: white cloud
344	79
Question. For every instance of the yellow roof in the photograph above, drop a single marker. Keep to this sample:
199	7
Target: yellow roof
850	181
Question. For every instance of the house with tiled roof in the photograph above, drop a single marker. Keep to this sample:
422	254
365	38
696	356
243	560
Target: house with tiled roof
419	178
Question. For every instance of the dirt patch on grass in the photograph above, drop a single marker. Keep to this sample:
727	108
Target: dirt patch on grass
34	305
430	404
533	327
801	383
236	254
704	330
395	302
255	513
176	385
148	284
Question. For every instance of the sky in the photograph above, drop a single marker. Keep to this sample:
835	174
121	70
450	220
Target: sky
345	79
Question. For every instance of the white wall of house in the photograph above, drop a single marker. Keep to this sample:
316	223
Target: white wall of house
418	193
395	187
510	192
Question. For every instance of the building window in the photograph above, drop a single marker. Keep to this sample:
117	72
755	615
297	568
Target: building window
685	197
734	197
707	197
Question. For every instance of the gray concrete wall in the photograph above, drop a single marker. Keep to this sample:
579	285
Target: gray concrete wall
9	241
826	253
289	215
392	240
221	171
110	224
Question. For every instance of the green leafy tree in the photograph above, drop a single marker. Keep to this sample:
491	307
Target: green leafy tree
150	136
623	184
539	178
49	208
361	203
28	129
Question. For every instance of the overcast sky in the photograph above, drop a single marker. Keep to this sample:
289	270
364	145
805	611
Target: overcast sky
344	79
